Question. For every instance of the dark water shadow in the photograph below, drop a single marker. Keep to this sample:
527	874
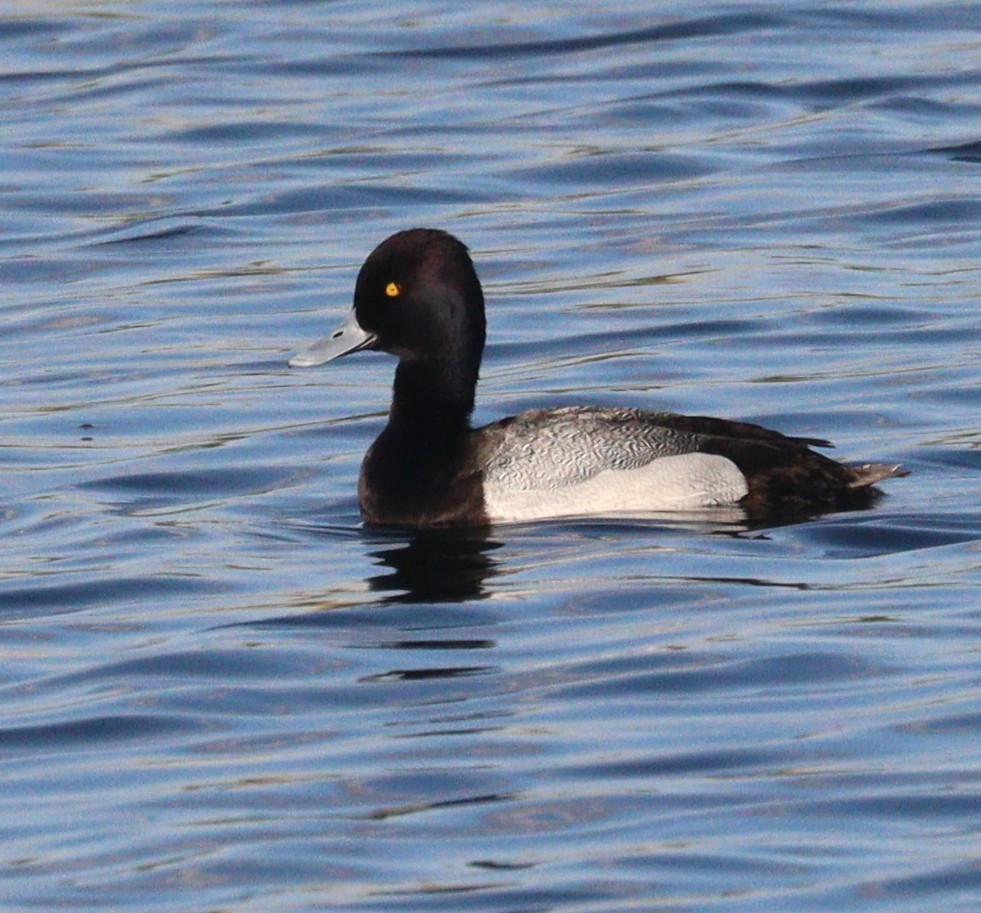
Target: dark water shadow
432	566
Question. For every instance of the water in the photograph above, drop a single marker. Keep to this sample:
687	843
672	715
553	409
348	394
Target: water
219	692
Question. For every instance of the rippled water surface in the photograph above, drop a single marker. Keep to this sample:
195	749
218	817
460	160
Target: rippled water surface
219	692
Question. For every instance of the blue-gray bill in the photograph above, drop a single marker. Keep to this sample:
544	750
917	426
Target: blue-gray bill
348	337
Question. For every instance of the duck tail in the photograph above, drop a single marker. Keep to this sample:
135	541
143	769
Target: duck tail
870	473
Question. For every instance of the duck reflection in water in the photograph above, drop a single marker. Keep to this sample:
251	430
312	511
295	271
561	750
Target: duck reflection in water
433	566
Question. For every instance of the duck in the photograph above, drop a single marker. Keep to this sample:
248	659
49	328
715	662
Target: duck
418	297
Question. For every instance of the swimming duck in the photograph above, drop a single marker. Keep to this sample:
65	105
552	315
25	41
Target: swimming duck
418	297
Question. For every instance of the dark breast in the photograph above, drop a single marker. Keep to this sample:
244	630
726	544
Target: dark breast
427	481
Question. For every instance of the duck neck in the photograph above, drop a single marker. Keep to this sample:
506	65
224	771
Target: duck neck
431	398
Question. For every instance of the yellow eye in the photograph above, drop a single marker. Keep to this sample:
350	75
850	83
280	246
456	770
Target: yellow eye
393	290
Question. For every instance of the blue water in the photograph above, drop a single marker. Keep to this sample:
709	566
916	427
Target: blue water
219	692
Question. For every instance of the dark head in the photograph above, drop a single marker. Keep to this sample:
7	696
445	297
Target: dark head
418	297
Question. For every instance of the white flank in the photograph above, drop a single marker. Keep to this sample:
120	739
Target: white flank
685	482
